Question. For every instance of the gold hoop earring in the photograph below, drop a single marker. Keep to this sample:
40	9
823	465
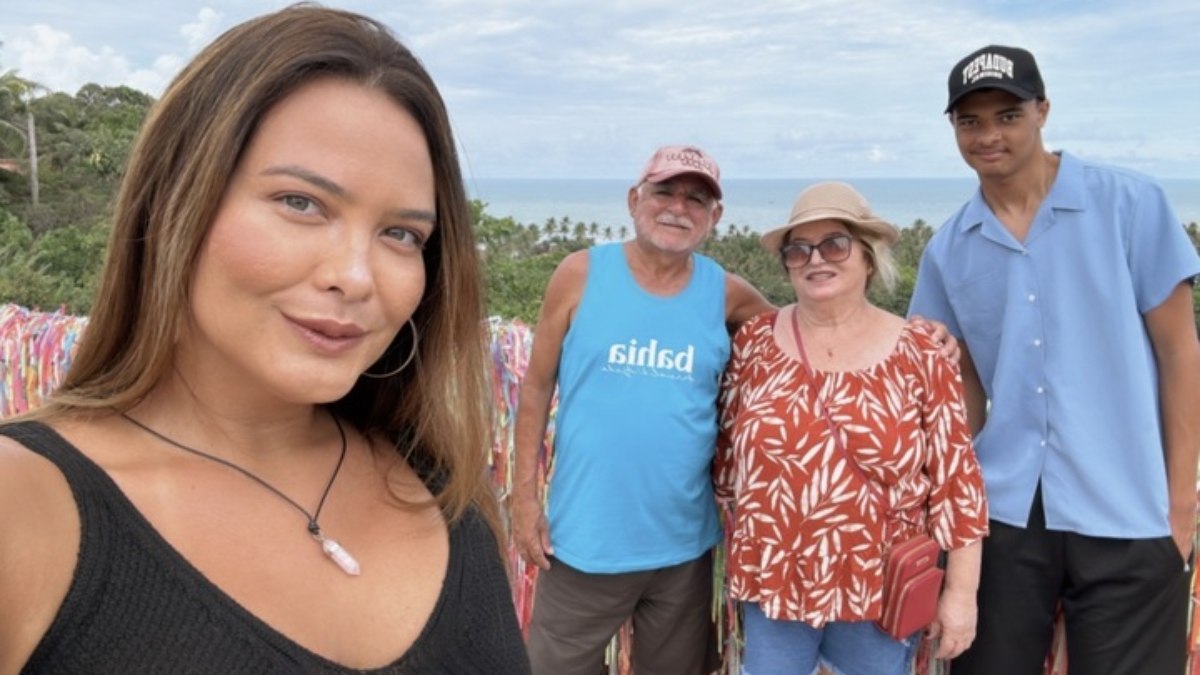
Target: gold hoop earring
411	355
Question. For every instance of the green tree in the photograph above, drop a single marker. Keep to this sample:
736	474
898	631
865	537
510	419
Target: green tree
51	249
518	260
88	138
112	117
57	269
911	245
73	255
20	94
514	288
13	233
740	252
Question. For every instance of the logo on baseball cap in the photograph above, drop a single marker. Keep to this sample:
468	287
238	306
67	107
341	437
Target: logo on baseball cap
675	160
1010	69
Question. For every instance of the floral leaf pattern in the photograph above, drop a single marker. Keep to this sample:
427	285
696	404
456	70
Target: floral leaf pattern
809	538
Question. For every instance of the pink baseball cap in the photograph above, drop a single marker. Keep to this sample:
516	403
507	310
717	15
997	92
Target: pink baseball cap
675	160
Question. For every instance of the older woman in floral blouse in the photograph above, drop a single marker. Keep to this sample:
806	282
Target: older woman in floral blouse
810	537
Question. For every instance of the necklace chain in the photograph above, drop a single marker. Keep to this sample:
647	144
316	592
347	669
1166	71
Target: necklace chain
330	547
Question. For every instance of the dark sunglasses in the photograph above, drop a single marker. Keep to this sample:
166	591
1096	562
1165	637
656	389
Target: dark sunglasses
834	248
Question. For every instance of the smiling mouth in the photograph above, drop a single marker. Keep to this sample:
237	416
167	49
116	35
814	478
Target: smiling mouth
330	328
671	220
331	337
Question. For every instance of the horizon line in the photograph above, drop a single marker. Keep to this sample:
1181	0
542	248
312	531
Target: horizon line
790	178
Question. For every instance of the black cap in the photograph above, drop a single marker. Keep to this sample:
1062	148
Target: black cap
1010	69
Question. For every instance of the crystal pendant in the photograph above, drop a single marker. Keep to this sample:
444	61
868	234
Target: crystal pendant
340	556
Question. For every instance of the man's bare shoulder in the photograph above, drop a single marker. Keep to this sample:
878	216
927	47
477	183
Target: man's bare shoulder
565	286
742	300
573	268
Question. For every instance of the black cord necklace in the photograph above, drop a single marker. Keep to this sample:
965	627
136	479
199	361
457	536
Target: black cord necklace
334	550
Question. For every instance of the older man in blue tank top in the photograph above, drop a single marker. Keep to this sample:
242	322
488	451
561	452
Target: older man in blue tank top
634	335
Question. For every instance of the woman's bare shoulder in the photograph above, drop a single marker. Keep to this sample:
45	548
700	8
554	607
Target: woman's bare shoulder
34	496
38	549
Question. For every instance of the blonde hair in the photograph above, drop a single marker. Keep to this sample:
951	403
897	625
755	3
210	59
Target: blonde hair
884	272
436	409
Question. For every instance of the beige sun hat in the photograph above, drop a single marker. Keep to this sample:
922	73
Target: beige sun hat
832	200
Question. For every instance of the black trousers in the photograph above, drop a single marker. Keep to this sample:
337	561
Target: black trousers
1125	600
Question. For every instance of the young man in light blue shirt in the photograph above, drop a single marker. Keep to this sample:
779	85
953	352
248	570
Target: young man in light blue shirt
1069	285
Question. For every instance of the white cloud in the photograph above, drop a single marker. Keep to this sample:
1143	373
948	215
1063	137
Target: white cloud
202	31
877	154
50	57
55	59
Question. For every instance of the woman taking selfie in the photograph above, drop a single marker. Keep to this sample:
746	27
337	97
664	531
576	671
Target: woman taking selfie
268	454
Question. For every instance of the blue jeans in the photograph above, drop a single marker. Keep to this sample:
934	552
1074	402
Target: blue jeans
795	648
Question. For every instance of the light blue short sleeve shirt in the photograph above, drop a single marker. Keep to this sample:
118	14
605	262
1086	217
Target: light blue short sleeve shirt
1054	326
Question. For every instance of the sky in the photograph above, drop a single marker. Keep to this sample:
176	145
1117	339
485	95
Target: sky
772	89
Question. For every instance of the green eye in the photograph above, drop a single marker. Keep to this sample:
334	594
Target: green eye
406	236
297	202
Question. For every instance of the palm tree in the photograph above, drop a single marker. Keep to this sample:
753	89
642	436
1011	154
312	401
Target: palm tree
22	92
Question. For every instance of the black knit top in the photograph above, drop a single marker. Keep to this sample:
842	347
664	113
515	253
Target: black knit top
135	605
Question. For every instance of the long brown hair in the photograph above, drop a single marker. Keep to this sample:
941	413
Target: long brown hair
435	409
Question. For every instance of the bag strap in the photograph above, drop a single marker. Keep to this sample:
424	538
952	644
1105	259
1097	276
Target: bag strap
837	438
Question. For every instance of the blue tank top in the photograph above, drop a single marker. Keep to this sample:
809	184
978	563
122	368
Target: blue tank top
637	421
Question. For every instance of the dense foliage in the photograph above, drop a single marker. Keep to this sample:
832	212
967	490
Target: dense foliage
51	247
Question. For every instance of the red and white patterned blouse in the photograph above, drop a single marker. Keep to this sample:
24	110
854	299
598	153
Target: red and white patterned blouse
809	537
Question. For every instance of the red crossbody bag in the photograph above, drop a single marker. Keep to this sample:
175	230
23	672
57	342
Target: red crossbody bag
912	579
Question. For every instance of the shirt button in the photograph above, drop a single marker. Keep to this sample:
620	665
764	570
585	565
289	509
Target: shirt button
1032	297
1043	442
1037	342
1041	390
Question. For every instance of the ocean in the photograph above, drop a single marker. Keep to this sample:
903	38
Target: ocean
759	204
